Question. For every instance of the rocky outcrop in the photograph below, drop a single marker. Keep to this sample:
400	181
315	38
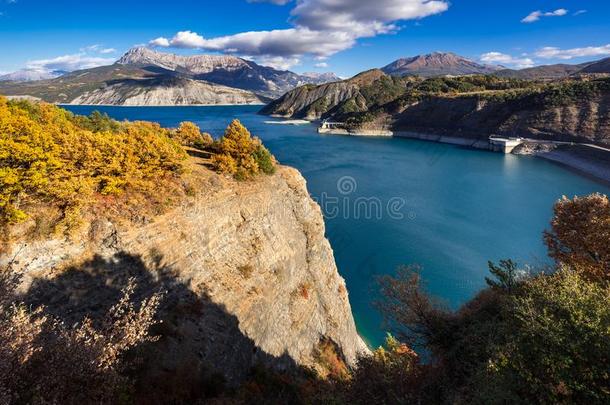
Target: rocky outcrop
313	102
166	93
584	120
249	276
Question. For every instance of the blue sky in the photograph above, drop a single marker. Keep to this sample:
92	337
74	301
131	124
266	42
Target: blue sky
344	36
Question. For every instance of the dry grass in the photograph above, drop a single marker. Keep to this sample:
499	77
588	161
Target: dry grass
329	357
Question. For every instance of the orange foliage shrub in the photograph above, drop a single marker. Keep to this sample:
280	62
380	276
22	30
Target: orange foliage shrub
580	235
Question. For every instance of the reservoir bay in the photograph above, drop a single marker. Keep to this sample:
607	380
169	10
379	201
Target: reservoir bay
391	202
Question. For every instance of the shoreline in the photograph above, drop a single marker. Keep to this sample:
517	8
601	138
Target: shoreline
582	159
586	160
157	105
578	160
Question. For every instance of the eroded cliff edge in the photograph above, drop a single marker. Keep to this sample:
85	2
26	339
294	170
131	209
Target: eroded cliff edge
249	275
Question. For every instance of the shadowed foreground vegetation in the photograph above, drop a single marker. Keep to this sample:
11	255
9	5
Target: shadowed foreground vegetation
527	338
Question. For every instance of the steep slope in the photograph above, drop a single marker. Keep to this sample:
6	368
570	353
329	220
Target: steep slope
602	66
313	102
437	64
128	85
166	92
467	106
222	69
249	275
550	114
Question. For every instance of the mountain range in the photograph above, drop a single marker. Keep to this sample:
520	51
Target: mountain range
146	77
558	71
30	75
143	76
449	64
225	70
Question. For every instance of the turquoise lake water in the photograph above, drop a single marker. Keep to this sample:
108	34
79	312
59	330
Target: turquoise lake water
390	202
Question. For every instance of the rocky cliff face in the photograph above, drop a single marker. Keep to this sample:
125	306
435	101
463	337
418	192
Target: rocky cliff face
248	272
585	120
195	64
172	91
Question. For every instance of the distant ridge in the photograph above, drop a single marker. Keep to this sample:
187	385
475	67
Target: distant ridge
29	75
437	64
143	76
548	72
226	70
601	66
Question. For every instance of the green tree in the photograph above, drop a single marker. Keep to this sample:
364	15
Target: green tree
558	350
505	276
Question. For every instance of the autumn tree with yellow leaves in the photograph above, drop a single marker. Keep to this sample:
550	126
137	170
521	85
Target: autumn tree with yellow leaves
580	235
189	134
242	155
51	157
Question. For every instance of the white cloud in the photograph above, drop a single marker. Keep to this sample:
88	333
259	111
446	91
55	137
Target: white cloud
508	60
276	2
279	62
321	28
290	42
68	63
362	15
579	12
536	15
90	48
551	52
321	65
161	42
97	48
